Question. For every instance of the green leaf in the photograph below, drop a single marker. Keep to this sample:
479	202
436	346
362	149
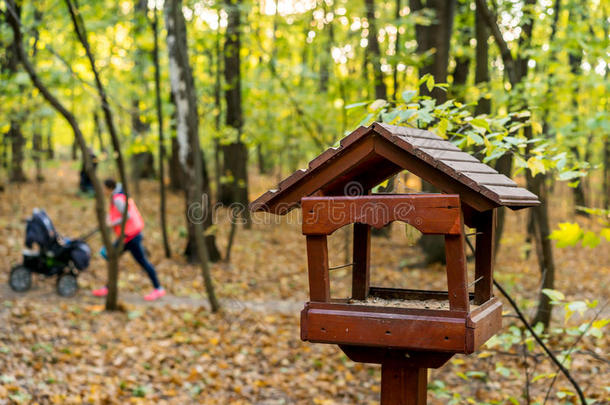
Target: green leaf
355	105
480	123
605	233
568	234
553	294
406	114
377	105
408	95
569	175
535	165
441	128
430	83
590	239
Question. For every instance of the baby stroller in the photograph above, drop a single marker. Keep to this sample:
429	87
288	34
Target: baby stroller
49	254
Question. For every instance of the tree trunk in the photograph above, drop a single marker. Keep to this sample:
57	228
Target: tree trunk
142	163
578	192
374	51
461	55
98	131
14	135
50	146
504	165
437	36
544	248
37	152
217	109
17	174
162	205
235	153
113	252
15	23
326	60
176	175
606	173
481	75
183	87
396	51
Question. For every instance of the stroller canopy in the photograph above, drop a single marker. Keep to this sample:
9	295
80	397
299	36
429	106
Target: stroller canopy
40	230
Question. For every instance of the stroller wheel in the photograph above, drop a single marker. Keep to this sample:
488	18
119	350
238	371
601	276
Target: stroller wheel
20	279
67	285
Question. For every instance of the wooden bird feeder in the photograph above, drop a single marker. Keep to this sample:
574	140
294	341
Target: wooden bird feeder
334	191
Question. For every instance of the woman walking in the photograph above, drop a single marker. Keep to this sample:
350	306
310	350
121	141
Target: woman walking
133	235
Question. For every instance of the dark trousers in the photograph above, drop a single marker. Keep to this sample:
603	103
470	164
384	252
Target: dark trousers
134	246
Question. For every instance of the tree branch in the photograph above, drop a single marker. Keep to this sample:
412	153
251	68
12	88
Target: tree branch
541	343
15	23
507	57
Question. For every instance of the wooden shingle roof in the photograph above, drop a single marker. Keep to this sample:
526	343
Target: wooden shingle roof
371	154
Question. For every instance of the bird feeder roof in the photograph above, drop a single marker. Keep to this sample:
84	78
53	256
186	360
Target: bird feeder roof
369	155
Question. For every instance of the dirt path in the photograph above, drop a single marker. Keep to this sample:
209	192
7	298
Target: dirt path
45	292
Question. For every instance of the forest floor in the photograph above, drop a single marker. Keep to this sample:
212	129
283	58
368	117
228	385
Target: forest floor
58	350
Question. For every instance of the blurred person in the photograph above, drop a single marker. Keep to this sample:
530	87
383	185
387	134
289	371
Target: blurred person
133	235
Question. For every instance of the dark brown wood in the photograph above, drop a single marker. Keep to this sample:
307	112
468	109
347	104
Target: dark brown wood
407	358
361	259
354	157
382	328
484	256
483	323
403	385
429	213
435	177
317	262
457	280
425	154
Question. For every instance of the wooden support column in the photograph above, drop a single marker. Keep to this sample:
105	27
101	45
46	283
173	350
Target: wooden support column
361	259
402	385
484	256
457	281
317	261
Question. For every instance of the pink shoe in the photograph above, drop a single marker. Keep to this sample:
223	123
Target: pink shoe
101	292
155	294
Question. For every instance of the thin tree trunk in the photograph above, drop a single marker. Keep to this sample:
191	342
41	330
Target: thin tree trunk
113	252
183	87
15	23
14	136
326	60
544	248
578	192
504	165
217	109
462	57
142	163
37	151
50	147
516	70
481	75
235	153
17	174
397	48
437	36
162	206
606	173
98	131
375	52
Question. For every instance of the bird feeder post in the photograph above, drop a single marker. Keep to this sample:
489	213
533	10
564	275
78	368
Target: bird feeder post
403	385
